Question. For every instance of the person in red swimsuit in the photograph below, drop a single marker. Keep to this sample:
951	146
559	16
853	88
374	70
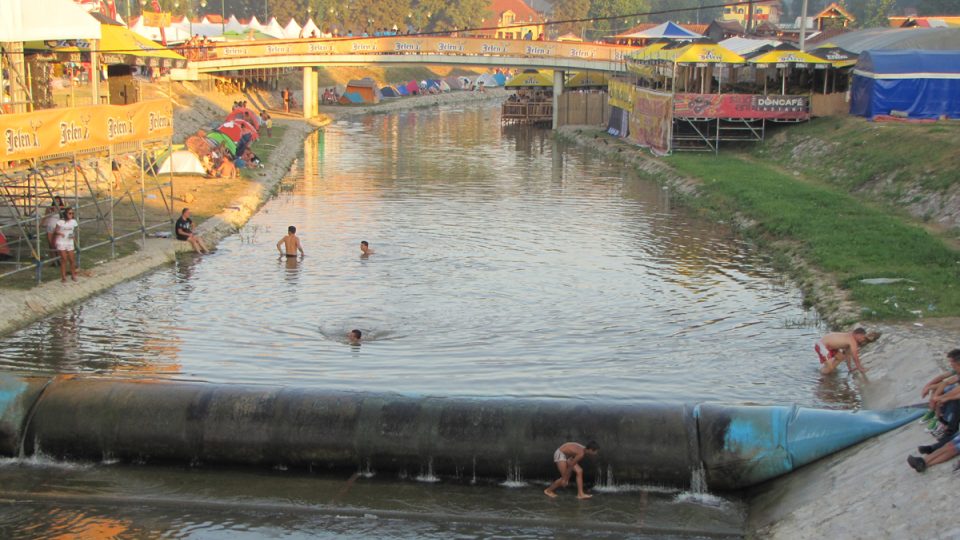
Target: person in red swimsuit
839	347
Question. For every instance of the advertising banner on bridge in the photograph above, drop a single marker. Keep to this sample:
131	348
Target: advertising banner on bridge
79	129
741	106
426	45
651	120
621	93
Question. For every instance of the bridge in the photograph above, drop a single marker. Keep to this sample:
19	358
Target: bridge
405	50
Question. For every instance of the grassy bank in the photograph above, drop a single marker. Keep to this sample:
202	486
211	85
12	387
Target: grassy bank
835	232
908	168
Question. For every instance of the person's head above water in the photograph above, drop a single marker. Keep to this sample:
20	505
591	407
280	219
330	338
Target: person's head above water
354	336
365	247
291	229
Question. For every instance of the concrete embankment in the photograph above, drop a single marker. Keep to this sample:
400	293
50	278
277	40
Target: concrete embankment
659	443
19	308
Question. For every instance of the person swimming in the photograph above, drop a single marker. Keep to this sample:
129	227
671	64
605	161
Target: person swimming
365	250
354	336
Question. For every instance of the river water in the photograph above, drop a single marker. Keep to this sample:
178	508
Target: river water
506	264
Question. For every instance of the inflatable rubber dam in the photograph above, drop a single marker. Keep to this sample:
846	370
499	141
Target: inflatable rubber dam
659	443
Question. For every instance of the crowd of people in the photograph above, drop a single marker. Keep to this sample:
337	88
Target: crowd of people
227	149
198	48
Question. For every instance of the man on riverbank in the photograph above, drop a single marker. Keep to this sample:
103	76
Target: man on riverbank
837	347
944	396
568	458
291	243
184	230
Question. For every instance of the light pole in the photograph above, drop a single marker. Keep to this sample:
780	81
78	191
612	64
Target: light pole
223	20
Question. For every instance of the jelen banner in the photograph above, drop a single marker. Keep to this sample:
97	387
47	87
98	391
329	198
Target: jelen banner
79	129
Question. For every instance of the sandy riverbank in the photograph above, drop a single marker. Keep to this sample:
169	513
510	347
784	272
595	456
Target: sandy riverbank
193	110
866	491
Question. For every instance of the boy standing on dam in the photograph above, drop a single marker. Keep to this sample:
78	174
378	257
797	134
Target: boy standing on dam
568	458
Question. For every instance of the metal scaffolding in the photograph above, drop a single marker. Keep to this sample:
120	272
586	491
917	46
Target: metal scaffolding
110	210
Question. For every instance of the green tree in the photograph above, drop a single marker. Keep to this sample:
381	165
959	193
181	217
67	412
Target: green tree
564	10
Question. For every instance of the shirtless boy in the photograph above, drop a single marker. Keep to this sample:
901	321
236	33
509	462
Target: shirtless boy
354	336
365	250
291	243
839	347
568	458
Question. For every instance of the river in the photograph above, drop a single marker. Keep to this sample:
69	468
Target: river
507	264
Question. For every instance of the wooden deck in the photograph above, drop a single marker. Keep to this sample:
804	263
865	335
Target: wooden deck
527	113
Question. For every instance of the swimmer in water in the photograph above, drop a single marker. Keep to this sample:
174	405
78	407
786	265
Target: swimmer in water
291	243
567	459
354	336
365	250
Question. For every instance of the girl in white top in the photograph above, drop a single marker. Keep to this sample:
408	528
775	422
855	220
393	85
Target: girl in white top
63	235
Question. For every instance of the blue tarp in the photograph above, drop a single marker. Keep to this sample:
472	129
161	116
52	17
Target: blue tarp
433	83
402	90
501	78
390	92
923	84
351	97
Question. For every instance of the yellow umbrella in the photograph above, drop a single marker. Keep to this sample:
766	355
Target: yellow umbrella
122	46
529	79
787	58
706	53
649	52
118	45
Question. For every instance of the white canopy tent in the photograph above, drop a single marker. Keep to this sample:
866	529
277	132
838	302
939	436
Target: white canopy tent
39	20
233	25
273	28
311	29
255	24
292	29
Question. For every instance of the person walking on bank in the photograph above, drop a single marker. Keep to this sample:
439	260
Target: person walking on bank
65	239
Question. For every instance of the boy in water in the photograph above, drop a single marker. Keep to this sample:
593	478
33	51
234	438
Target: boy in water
839	347
354	336
291	243
365	250
568	458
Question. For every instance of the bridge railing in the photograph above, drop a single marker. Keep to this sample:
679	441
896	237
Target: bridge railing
455	46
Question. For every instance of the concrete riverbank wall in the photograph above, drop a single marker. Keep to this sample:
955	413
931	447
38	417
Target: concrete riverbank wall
654	443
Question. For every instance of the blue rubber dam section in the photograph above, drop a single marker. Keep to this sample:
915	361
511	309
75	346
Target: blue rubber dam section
648	443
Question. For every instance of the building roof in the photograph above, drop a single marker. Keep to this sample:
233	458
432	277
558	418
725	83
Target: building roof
522	11
833	11
695	28
931	21
899	38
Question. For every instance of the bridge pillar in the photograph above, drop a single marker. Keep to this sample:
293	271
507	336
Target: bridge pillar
558	76
309	92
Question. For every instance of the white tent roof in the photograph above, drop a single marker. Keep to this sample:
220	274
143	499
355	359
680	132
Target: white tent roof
487	79
273	28
255	24
37	20
292	29
310	28
744	46
233	25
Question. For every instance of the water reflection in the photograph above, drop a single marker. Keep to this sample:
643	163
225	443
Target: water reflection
511	265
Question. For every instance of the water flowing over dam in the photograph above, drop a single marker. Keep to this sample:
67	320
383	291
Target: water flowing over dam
655	443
